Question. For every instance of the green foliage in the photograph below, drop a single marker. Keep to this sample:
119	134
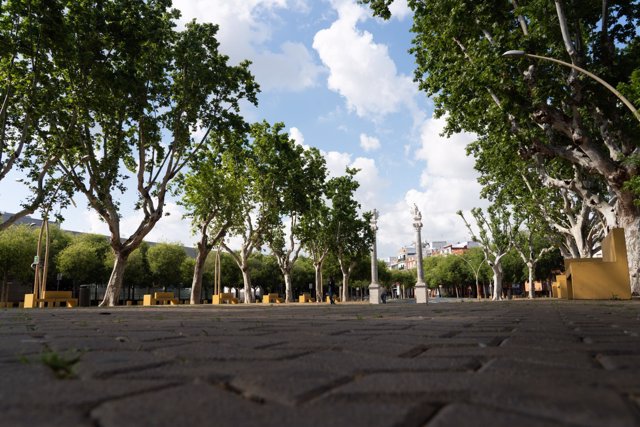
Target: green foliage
265	272
137	273
351	234
165	260
17	248
186	271
61	365
30	36
407	278
83	261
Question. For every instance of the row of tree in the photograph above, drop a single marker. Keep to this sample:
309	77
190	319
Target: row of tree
88	259
553	145
103	98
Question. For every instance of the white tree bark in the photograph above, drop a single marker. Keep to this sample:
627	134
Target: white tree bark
112	293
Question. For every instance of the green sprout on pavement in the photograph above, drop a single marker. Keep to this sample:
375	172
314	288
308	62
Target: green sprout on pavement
61	365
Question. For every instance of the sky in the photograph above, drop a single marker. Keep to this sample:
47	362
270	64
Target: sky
342	81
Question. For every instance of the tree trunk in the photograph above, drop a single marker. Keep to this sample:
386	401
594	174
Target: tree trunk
112	293
198	271
532	290
246	279
497	282
287	286
319	292
631	225
5	289
345	285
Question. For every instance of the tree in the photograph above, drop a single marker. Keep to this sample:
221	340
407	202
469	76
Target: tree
351	235
144	99
165	260
546	112
475	259
304	173
83	261
495	236
17	246
531	246
137	274
212	193
30	98
314	227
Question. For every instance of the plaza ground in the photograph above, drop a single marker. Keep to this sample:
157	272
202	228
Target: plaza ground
510	363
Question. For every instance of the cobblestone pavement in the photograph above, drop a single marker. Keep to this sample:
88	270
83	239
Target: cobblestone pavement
512	363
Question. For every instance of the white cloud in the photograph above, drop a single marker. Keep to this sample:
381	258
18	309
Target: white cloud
337	162
245	28
293	69
297	136
371	184
445	157
369	143
361	70
448	183
399	9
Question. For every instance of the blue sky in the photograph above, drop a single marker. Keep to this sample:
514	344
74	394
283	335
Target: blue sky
341	81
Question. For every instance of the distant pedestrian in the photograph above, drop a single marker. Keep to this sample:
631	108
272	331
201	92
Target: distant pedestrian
331	288
383	294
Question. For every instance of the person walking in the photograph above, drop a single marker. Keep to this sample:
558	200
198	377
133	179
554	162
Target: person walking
331	287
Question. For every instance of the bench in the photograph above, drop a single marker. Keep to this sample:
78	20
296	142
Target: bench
272	298
50	299
305	297
537	286
160	298
600	278
223	298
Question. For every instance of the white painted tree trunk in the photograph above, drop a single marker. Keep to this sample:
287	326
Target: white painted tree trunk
631	225
246	279
532	292
345	286
497	281
319	290
112	293
287	286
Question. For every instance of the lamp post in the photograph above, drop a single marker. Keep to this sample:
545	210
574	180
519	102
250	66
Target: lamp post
625	101
374	287
476	272
422	296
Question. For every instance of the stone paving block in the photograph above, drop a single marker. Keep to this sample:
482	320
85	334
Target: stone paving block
217	351
460	414
631	362
188	405
35	414
516	362
103	364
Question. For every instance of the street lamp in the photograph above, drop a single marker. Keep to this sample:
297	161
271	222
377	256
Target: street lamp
613	90
374	287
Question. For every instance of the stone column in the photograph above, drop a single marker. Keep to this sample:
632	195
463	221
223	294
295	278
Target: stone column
421	291
374	287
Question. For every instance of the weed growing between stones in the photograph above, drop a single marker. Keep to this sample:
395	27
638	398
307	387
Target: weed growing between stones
61	365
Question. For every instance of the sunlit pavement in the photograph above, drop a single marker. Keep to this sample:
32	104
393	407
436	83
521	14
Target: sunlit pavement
515	363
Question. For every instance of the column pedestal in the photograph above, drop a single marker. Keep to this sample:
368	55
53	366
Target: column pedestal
422	293
374	294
